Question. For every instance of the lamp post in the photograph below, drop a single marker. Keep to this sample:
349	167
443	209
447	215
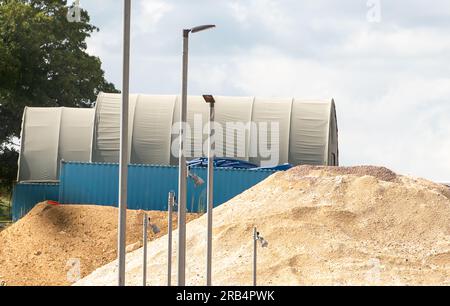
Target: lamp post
182	174
123	162
144	248
155	230
210	186
257	237
255	251
170	207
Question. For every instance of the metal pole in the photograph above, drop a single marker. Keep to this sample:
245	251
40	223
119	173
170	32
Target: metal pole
123	162
144	245
255	245
169	237
182	169
210	192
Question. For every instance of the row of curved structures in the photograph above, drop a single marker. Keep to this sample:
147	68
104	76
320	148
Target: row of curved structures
259	130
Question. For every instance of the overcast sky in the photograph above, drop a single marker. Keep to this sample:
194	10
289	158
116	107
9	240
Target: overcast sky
386	63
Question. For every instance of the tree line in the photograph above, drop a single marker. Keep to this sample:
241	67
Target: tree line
43	62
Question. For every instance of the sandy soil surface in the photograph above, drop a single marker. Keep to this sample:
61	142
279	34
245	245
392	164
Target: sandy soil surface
324	225
44	247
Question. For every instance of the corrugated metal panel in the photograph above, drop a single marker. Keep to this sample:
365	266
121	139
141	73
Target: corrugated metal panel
228	183
148	185
88	183
27	195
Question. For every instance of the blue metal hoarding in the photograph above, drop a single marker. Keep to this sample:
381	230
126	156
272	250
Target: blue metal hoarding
27	195
149	185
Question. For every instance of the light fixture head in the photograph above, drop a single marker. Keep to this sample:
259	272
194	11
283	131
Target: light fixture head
209	99
198	181
202	28
155	229
173	196
264	243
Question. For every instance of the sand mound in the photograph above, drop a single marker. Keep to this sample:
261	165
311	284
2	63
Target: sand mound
40	248
325	225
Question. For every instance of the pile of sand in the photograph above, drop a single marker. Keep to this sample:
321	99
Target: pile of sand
43	247
324	225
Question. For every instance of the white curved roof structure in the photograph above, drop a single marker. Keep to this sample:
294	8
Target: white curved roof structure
50	134
262	131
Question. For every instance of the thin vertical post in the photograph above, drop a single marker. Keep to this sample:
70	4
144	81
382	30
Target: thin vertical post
144	245
170	206
123	162
255	245
182	175
210	192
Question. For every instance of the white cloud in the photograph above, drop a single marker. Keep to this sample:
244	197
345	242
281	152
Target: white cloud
150	13
240	11
402	122
390	80
406	129
269	13
397	41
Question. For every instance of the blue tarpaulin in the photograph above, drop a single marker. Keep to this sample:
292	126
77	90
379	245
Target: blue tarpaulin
222	163
202	162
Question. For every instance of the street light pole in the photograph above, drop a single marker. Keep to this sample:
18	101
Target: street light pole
257	237
123	162
210	186
182	173
255	252
170	206
182	168
144	248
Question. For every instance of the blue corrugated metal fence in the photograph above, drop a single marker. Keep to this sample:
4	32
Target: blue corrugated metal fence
26	195
148	185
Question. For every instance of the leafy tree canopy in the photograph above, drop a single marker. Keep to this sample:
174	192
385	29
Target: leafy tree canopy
43	62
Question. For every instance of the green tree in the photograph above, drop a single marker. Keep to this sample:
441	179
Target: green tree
8	168
43	62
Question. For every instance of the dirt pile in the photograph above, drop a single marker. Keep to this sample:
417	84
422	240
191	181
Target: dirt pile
45	246
324	225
